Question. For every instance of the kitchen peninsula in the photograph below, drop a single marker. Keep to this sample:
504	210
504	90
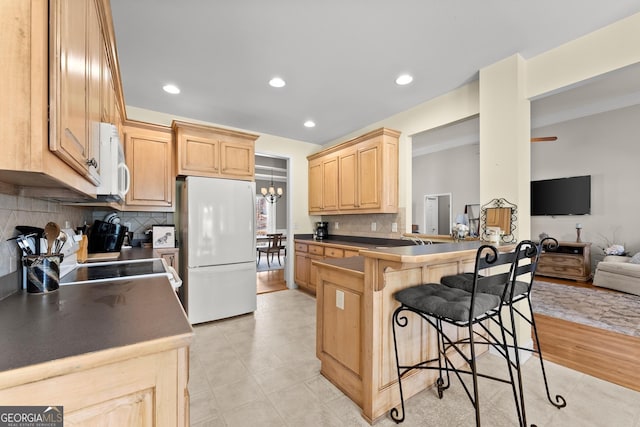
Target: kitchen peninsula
355	304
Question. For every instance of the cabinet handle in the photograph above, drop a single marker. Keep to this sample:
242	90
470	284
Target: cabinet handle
92	162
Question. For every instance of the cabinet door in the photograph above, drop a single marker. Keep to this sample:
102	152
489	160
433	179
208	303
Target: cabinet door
148	155
369	179
330	184
301	270
315	185
348	174
237	159
69	83
199	156
94	88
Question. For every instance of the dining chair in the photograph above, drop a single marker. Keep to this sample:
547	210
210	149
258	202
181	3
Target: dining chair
274	246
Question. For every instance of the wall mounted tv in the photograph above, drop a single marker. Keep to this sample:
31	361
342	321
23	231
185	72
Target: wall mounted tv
562	196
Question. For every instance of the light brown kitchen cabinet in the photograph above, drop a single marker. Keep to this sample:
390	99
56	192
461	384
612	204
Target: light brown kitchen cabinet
138	387
305	272
323	184
366	175
214	152
77	44
149	155
49	90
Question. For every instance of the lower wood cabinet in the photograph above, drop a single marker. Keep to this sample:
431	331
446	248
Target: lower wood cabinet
305	273
144	390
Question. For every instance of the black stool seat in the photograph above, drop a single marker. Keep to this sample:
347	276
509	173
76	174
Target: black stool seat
494	285
446	302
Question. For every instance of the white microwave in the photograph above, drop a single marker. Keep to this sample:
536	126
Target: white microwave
114	173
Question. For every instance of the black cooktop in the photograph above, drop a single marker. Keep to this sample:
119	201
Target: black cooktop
115	270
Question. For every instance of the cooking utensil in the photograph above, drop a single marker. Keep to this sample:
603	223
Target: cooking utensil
51	233
60	241
29	232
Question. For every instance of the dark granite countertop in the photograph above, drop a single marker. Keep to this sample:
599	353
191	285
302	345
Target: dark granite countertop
85	318
355	241
354	263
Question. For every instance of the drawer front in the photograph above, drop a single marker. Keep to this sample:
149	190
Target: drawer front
349	253
316	250
558	260
333	252
301	247
560	270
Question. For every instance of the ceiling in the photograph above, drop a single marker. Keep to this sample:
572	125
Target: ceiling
611	91
339	58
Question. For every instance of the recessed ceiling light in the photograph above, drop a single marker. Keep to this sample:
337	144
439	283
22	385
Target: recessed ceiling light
172	89
404	79
277	82
310	124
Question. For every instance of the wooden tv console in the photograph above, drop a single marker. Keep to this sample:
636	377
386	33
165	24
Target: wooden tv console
570	260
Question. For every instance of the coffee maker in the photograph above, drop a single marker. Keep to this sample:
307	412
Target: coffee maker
322	230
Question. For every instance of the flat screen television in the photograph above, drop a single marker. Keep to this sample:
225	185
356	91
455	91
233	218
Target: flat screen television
562	196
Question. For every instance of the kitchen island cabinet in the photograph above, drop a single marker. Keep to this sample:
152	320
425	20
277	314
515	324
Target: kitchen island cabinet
112	353
355	305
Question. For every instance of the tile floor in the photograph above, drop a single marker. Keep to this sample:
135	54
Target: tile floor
261	370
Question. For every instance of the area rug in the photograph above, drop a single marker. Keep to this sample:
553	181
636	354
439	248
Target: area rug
616	312
263	266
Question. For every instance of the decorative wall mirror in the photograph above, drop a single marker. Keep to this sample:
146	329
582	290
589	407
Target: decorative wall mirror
499	214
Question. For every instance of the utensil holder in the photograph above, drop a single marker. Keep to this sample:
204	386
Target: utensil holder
42	273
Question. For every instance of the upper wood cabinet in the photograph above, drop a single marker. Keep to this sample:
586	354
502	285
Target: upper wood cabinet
214	152
364	179
149	155
76	43
323	187
53	74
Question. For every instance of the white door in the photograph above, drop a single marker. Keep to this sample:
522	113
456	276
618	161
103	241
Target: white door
431	215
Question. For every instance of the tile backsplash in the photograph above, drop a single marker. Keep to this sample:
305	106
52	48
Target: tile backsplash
140	221
19	210
360	225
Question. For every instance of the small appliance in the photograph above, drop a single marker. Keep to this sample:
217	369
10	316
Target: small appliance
322	230
106	237
114	174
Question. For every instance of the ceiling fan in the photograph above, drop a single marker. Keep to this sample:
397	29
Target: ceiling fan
544	139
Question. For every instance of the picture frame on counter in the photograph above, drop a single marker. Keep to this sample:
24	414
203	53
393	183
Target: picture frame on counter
163	236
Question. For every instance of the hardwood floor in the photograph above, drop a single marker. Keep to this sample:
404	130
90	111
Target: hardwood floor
270	281
603	354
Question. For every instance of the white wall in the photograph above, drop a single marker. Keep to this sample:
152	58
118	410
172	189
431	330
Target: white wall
607	147
455	171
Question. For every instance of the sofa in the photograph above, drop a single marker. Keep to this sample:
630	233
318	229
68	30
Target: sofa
621	273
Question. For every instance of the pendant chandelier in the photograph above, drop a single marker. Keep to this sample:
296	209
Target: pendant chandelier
271	194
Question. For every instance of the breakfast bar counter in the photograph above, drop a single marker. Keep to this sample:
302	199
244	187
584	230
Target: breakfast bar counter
355	304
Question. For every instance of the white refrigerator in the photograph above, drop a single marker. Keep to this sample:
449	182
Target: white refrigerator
217	227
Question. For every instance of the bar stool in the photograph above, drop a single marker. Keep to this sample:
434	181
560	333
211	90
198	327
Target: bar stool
521	290
438	305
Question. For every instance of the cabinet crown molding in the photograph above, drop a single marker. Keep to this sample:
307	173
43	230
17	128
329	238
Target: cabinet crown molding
177	125
364	137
